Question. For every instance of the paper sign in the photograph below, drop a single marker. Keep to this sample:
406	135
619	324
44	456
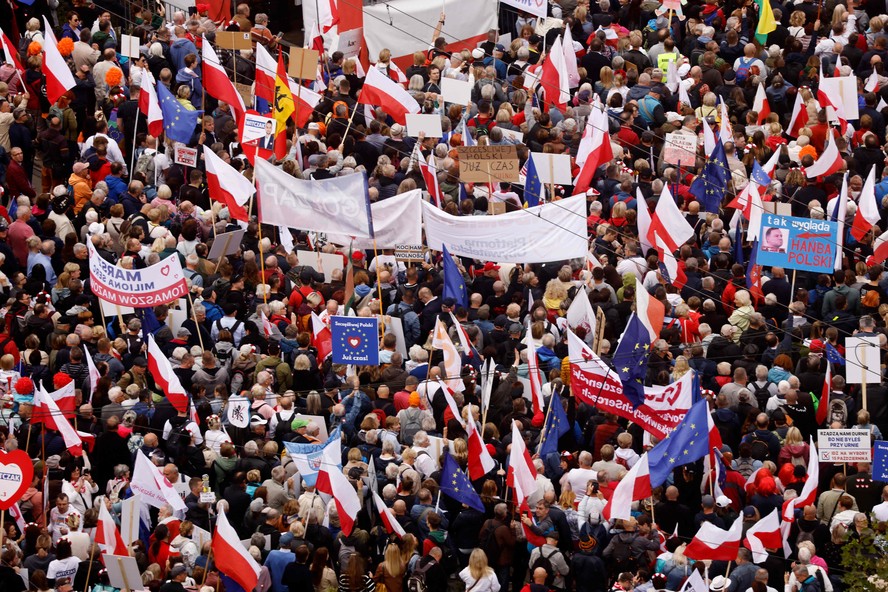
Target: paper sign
129	46
321	262
257	127
234	40
514	136
396	326
350	42
303	63
429	125
109	310
837	446
680	149
860	353
226	244
246	92
880	461
797	243
458	92
553	168
355	340
175	319
123	572
185	156
842	90
129	519
200	536
482	164
410	253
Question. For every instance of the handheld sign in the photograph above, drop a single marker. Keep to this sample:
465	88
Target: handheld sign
234	40
837	446
185	156
355	340
797	243
303	63
482	164
880	461
680	149
16	474
458	92
350	42
429	125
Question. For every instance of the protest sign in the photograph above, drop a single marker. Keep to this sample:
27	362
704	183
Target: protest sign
323	263
185	156
880	461
797	243
234	40
534	7
355	340
226	243
129	46
862	355
837	446
552	168
483	164
16	474
458	92
842	91
160	283
257	127
350	42
680	149
303	63
428	125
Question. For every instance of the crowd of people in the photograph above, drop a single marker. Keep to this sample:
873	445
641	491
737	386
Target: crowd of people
86	169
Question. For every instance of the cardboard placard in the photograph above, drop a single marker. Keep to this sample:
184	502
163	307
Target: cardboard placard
482	164
226	243
680	149
129	46
458	92
129	519
200	536
843	91
552	168
123	572
246	92
185	156
429	125
395	326
109	310
303	63
350	42
234	40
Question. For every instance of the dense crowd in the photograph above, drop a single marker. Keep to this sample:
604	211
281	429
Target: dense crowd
86	169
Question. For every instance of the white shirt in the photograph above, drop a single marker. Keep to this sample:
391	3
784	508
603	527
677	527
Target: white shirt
63	568
578	479
58	522
424	463
880	512
114	153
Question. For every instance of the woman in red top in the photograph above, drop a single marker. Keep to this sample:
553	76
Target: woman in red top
159	547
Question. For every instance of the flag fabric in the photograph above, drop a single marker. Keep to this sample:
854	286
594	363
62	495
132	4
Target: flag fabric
456	484
829	162
452	360
695	583
230	557
668	231
149	482
808	495
725	131
328	14
59	79
430	177
321	337
65	400
465	343
381	90
166	379
833	355
754	273
54	419
11	52
580	314
227	185
823	403
760	104
708	140
149	106
570	59
266	72
217	83
522	474
839	215
310	459
282	108
710	185
447	393
763	535
738	246
16	512
766	22
867	214
557	424
267	327
178	122
595	148
533	187
872	83
554	77
480	461
392	526
107	534
644	223
454	284
799	118
305	102
533	375
635	485
633	350
712	542
331	481
687	443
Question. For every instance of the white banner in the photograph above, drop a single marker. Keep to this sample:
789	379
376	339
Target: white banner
534	7
551	232
396	221
337	205
160	283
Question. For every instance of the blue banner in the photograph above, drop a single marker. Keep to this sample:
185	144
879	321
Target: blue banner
797	243
355	340
880	461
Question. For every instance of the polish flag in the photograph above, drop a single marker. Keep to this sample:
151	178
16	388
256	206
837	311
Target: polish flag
305	101
166	379
711	542
533	538
823	405
828	163
839	213
315	40
570	59
799	117
764	534
872	83
11	52
266	69
381	90
480	461
445	391
230	556
107	534
725	131
65	402
252	150
53	419
651	312
59	79
880	248
150	106
347	502
267	327
533	375
94	374
522	473
429	175
227	185
392	526
644	223
669	230
708	140
683	97
635	485
808	495
595	148
867	214
217	83
16	512
452	360
555	78
321	337
88	439
328	14
760	104
155	489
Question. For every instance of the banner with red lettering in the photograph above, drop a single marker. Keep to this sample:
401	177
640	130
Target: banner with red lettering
594	383
160	283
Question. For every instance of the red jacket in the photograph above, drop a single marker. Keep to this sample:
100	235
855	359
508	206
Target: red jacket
17	181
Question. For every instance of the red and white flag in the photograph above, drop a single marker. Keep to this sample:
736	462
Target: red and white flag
267	327
11	52
452	360
230	556
669	230
217	83
266	72
760	104
444	391
522	473
644	222
321	337
823	404
867	214
711	542
150	106
595	148
53	418
16	512
764	534
328	14
799	117
227	185
166	379
829	162
155	489
533	375
333	482
108	535
381	90
392	526
305	100
555	77
59	79
880	248
635	485
725	131
872	83
94	374
480	461
65	401
570	59
808	495
430	176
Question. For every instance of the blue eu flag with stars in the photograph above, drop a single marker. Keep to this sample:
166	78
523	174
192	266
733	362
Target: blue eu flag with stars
355	340
557	425
688	443
709	187
454	285
631	360
178	122
533	187
833	355
456	484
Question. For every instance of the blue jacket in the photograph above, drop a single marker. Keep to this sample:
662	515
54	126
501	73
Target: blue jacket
189	79
179	49
116	188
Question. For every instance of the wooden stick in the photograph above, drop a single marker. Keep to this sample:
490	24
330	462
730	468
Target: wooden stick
135	135
196	324
120	320
262	264
348	127
123	573
92	554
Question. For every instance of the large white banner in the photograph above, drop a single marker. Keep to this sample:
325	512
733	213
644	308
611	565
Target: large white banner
160	283
406	26
396	221
534	7
551	232
337	205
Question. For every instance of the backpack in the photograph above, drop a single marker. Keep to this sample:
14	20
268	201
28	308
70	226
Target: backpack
762	393
145	165
283	428
487	541
416	582
24	42
745	466
545	563
838	411
178	441
481	129
622	559
742	72
758	448
412	423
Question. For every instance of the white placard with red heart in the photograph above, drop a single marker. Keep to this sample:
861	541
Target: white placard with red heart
16	474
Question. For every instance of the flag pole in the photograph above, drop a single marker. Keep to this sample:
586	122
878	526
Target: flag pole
194	316
348	127
92	555
379	286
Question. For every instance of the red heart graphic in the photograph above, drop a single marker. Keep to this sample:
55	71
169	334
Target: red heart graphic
16	474
354	341
165	270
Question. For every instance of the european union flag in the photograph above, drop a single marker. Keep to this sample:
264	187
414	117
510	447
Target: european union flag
533	187
631	359
557	425
759	175
722	469
833	355
688	443
709	187
456	484
355	340
178	122
454	285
